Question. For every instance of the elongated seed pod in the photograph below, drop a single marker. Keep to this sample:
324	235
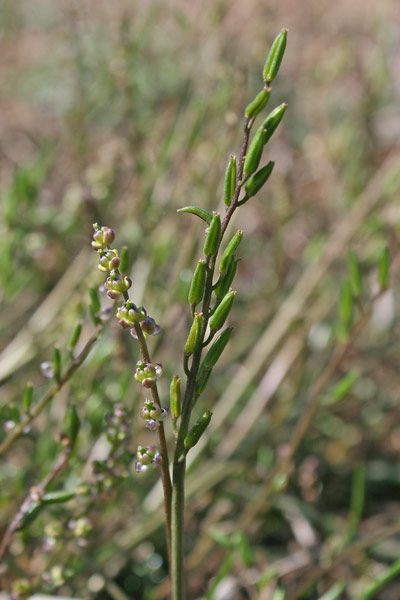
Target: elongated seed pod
198	281
75	336
197	430
58	497
226	280
94	297
230	251
254	153
259	102
27	397
222	311
57	364
196	210
230	181
275	56
175	397
202	380
217	348
355	273
213	234
194	334
73	425
123	265
272	121
346	304
256	182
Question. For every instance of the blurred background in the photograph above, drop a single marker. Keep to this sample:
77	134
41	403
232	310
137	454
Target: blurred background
121	112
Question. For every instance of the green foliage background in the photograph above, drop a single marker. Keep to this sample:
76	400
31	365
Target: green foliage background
121	112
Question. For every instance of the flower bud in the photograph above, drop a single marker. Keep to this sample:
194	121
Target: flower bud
128	314
147	456
272	121
230	181
275	56
217	348
194	334
197	430
198	282
102	237
256	182
175	397
230	251
222	311
116	284
254	152
109	260
148	326
148	373
213	235
259	102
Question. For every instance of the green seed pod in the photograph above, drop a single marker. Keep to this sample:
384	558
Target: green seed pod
58	497
197	286
256	182
30	515
57	364
275	56
355	273
95	302
254	152
230	181
73	425
197	430
75	336
217	348
202	379
225	281
199	212
222	311
175	397
272	121
27	398
194	334
230	251
213	235
346	304
383	269
123	265
259	102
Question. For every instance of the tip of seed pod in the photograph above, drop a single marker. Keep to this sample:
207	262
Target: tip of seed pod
216	214
284	30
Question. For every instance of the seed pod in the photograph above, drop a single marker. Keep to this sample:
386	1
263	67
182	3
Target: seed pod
213	235
272	121
73	425
75	336
202	380
124	259
230	181
275	56
256	182
175	397
27	398
355	273
254	152
57	364
222	311
197	430
199	212
30	515
194	334
197	286
95	302
230	251
259	102
383	268
58	497
346	304
217	348
225	281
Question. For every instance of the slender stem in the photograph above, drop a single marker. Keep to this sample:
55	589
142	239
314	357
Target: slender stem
179	467
165	476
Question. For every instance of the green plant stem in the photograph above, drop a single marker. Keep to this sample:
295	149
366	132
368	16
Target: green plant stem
165	476
179	466
388	575
37	408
